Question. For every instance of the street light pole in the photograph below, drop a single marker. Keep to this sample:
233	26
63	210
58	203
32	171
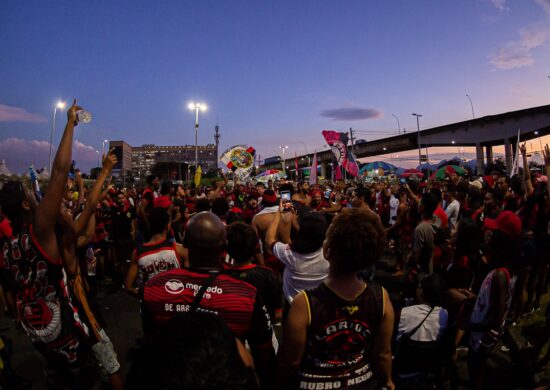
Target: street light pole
59	105
283	148
471	106
398	124
197	107
305	150
103	146
418	137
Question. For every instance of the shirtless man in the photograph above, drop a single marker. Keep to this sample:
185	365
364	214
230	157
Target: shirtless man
261	222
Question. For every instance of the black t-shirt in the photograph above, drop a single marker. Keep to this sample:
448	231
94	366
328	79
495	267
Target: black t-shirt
264	280
122	223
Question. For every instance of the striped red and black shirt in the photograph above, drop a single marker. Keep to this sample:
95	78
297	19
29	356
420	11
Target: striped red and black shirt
236	302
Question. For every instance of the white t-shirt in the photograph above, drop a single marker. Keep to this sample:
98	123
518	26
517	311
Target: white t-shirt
431	330
452	211
394	204
302	271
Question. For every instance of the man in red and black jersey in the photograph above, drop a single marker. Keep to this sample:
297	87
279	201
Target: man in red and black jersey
237	303
242	245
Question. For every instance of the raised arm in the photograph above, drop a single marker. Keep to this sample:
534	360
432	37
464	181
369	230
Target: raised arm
382	344
48	210
91	203
526	174
271	235
546	154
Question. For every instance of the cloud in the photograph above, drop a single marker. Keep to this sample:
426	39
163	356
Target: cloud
351	114
545	4
499	4
518	54
18	114
19	153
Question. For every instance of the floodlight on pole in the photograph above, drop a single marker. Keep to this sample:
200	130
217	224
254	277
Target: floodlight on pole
197	107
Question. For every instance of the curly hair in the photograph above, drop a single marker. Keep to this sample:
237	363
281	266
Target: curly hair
242	241
355	240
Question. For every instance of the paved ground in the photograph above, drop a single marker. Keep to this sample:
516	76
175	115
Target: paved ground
121	313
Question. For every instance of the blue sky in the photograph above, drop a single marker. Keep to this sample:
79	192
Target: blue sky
272	72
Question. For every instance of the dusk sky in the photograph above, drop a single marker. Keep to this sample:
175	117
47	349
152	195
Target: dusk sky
271	72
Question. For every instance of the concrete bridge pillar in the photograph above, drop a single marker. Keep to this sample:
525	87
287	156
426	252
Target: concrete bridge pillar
324	169
508	155
479	159
489	154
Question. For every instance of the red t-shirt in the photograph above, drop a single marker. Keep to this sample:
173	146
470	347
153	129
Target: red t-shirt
441	216
163	201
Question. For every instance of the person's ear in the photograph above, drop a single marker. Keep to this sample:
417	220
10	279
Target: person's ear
326	250
26	205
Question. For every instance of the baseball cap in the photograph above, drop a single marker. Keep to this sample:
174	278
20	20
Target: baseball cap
507	222
476	183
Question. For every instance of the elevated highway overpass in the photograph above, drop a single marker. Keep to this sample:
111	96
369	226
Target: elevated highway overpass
482	133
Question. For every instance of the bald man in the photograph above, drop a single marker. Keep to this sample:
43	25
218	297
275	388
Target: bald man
203	288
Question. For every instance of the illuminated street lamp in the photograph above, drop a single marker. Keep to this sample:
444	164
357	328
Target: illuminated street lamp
59	106
105	141
197	107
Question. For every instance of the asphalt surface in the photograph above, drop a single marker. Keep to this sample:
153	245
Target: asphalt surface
121	313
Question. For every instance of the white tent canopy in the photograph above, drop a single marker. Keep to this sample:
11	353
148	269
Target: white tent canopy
4	168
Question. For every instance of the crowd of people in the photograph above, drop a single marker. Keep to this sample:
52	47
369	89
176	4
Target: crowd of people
275	285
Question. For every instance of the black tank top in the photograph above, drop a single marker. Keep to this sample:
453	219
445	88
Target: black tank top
340	338
44	302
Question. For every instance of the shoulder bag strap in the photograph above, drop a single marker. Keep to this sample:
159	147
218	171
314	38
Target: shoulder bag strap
409	334
208	281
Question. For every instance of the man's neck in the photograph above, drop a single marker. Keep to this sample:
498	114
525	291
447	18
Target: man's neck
242	263
157	237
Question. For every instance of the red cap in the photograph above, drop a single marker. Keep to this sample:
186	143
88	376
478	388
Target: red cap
507	222
269	196
236	210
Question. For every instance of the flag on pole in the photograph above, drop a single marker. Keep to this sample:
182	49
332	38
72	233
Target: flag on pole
198	174
338	143
296	164
313	170
337	172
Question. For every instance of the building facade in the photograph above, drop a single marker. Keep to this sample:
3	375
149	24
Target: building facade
141	159
123	153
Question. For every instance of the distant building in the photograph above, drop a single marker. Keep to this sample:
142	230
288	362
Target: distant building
123	153
141	159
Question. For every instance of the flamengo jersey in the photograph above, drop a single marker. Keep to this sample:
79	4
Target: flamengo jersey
340	338
236	302
155	258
